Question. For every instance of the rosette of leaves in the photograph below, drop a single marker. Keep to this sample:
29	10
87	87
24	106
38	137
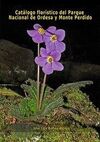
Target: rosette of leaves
27	106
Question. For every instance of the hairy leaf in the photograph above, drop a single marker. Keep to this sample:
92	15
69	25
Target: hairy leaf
52	105
30	88
60	90
8	92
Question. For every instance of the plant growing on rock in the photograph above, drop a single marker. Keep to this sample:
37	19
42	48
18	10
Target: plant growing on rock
40	100
67	108
48	58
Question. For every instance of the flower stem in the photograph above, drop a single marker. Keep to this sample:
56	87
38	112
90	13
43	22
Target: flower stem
42	92
38	79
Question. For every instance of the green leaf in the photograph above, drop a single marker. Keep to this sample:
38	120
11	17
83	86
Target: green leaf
52	105
48	91
32	105
8	92
25	108
30	88
60	90
55	99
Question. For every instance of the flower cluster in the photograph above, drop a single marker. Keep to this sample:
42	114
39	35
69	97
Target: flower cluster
50	56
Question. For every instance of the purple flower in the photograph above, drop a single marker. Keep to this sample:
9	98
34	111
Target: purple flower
53	39
48	60
37	33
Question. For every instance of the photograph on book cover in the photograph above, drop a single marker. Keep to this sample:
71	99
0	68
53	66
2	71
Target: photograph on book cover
49	71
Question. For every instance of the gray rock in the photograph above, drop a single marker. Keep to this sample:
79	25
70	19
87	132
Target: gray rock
75	72
16	63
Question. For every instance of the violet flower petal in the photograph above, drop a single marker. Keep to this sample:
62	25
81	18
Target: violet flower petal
47	33
46	38
37	26
57	66
32	33
40	61
60	46
50	46
43	52
60	34
47	69
37	38
51	29
56	55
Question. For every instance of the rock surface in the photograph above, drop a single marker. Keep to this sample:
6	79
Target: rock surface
74	71
16	63
77	121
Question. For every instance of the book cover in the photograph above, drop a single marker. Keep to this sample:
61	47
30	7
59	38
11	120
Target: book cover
49	71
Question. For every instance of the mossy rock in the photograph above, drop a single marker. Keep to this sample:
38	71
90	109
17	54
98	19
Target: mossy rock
54	134
16	62
72	123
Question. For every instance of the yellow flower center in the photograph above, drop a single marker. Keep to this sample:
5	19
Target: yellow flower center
53	38
50	59
41	31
